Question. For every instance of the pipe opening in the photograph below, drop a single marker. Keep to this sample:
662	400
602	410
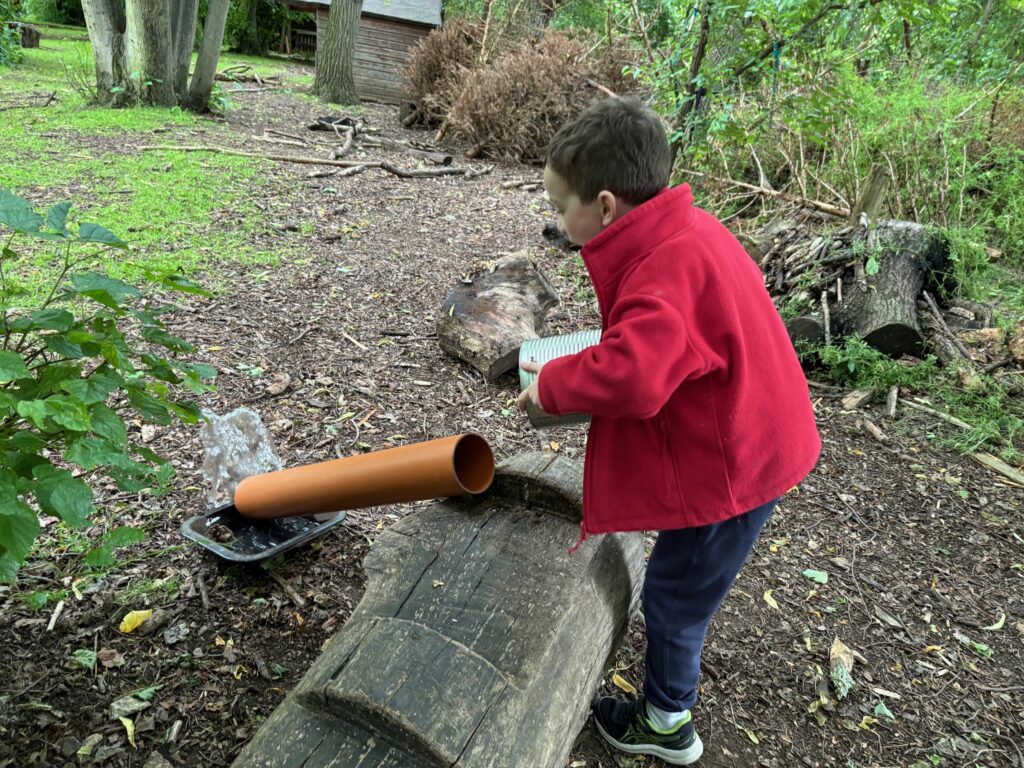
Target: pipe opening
474	463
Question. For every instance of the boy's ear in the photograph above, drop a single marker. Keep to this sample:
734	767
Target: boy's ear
609	206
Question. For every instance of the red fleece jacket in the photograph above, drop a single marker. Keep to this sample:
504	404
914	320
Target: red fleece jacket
701	411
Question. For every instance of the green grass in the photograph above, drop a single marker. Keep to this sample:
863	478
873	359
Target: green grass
181	212
996	415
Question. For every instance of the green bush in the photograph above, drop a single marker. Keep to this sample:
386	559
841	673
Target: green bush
54	11
68	360
10	42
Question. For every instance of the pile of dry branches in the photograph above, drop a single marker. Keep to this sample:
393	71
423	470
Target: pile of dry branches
510	108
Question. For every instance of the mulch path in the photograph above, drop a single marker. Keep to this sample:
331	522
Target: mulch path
922	548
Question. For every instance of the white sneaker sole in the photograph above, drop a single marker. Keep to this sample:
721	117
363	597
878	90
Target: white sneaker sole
671	756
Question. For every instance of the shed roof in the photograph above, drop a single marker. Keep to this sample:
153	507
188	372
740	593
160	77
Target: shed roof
419	11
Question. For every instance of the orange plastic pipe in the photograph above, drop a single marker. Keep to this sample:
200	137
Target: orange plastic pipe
451	466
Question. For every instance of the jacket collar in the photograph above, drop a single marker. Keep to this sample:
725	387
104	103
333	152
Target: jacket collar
628	240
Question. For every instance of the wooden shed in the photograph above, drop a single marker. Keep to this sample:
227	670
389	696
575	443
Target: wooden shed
388	29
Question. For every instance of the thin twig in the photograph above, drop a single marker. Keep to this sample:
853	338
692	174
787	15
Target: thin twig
934	308
203	594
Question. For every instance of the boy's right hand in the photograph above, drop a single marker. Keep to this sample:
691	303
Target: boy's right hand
531	395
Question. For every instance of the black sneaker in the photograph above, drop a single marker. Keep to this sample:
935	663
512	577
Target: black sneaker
625	726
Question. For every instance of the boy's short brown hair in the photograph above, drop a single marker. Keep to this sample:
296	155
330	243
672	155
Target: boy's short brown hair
619	145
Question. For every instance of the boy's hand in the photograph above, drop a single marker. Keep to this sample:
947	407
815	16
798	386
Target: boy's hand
531	395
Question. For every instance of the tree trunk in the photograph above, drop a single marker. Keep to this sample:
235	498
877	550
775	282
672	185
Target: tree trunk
882	308
479	640
105	20
334	77
209	51
183	38
148	52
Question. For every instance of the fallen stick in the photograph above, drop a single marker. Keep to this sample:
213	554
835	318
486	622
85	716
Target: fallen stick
57	611
891	400
818	205
49	100
603	89
1000	466
872	428
416	173
934	309
826	318
938	414
289	590
203	594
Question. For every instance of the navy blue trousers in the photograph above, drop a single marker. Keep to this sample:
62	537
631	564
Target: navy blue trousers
688	575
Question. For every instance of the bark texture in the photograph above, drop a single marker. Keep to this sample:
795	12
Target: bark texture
479	641
334	81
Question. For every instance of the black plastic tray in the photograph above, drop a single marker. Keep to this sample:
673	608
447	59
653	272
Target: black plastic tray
251	541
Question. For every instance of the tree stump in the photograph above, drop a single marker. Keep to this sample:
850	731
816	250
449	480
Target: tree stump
485	321
882	308
29	35
478	643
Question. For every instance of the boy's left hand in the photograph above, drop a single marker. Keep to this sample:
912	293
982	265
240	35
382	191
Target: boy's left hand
531	395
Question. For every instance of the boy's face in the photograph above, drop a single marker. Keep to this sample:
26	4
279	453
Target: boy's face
578	220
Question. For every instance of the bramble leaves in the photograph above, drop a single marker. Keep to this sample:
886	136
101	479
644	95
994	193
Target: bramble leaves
66	363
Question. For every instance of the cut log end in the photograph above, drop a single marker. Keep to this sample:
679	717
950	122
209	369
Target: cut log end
895	340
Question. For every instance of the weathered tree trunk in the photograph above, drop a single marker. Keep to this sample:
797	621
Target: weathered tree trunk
148	52
105	20
478	643
882	308
334	79
485	322
142	50
209	51
183	38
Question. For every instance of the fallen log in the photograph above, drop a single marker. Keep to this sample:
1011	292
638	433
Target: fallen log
485	320
479	641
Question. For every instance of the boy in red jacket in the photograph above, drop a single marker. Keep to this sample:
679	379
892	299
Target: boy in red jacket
701	417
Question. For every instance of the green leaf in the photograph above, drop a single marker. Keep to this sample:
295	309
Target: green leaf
817	576
981	649
158	335
27	441
106	290
106	423
35	411
19	525
65	348
8	569
92	452
17	213
64	411
85	658
883	711
53	319
124	536
91	390
100	557
94	233
149	407
179	283
57	217
12	366
147	694
188	412
62	495
872	266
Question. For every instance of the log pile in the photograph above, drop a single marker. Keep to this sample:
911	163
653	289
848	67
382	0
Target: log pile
890	284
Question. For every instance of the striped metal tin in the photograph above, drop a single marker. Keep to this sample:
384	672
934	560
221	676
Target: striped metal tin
544	350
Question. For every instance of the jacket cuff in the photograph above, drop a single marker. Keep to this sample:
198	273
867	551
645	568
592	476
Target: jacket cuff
546	384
